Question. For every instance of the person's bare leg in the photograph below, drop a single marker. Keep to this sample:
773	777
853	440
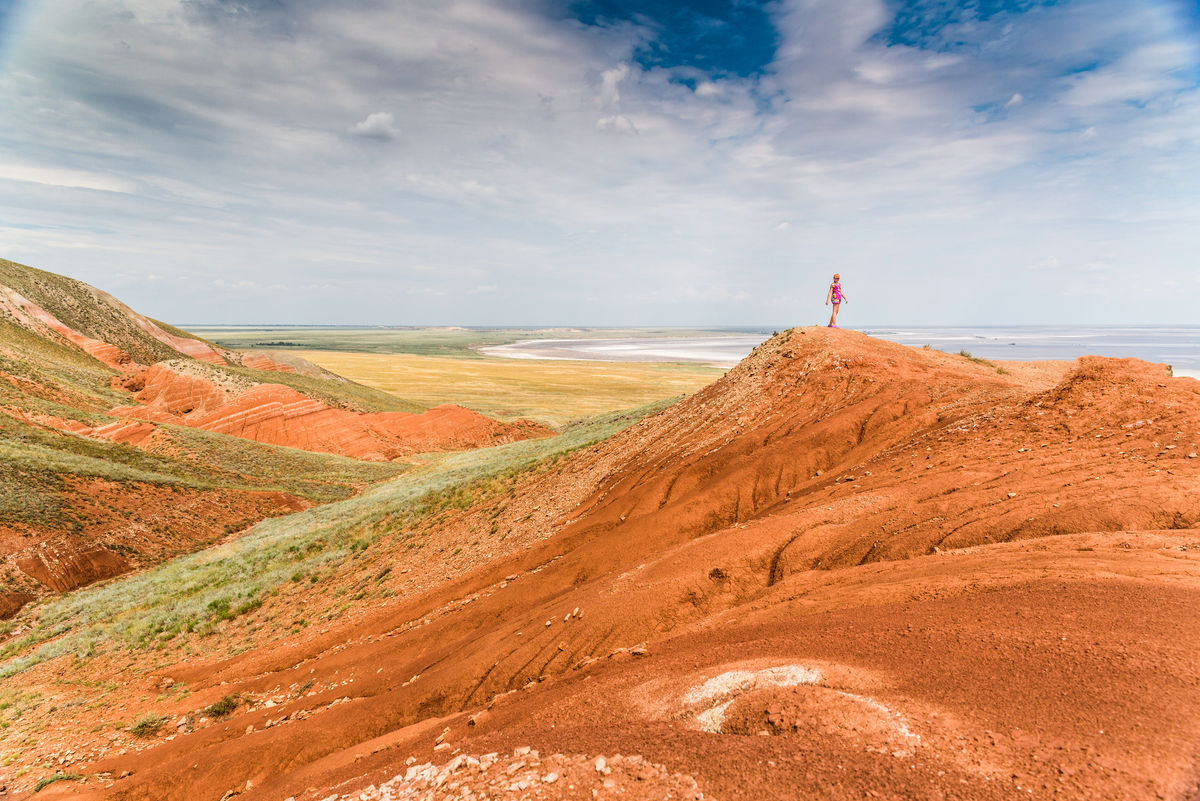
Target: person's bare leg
833	317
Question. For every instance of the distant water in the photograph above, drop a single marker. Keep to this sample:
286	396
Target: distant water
724	350
1178	346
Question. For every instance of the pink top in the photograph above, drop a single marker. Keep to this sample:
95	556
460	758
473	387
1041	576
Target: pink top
837	292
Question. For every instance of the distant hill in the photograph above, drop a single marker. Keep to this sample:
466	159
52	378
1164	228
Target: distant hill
125	440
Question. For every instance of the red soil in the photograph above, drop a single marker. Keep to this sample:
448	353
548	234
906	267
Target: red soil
32	316
279	415
848	569
37	319
125	525
185	345
258	361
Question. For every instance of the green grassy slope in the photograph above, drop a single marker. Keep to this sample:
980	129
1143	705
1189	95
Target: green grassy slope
97	315
34	462
179	602
86	309
56	486
49	377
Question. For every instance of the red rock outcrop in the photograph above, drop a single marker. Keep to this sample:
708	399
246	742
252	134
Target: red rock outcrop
279	415
128	525
185	345
259	361
64	565
32	316
13	602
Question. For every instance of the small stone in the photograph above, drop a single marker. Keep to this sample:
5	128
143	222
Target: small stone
1012	494
549	622
1193	455
550	778
601	764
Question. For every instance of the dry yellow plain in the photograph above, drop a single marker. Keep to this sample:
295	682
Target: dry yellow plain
550	392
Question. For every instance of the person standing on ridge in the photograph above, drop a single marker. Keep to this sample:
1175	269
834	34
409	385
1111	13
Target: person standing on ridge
836	295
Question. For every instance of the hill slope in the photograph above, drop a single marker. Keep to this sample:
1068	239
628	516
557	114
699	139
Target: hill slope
846	569
125	440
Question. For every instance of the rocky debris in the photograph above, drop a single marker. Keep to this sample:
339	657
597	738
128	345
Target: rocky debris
526	774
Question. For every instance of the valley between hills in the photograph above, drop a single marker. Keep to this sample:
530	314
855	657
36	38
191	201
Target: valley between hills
843	569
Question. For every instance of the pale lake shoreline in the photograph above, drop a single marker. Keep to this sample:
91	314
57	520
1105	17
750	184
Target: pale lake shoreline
1178	346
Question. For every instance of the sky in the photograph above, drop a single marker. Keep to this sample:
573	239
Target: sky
604	162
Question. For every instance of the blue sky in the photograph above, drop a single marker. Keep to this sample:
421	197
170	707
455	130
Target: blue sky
605	162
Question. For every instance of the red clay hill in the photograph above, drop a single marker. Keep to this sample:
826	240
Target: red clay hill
846	570
191	394
85	380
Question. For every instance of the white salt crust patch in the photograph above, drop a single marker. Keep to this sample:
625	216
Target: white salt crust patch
718	693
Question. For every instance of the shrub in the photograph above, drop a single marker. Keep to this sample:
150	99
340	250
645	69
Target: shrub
223	708
219	608
147	726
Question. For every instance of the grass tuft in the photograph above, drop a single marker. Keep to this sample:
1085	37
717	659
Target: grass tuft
57	777
966	354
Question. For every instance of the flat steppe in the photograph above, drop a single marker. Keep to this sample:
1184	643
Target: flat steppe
437	365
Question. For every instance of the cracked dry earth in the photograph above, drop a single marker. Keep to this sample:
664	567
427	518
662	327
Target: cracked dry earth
846	570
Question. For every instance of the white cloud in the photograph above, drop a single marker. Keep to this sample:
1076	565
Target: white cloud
381	125
617	122
54	176
521	169
610	80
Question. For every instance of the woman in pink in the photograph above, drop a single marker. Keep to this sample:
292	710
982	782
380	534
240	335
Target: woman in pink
836	295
